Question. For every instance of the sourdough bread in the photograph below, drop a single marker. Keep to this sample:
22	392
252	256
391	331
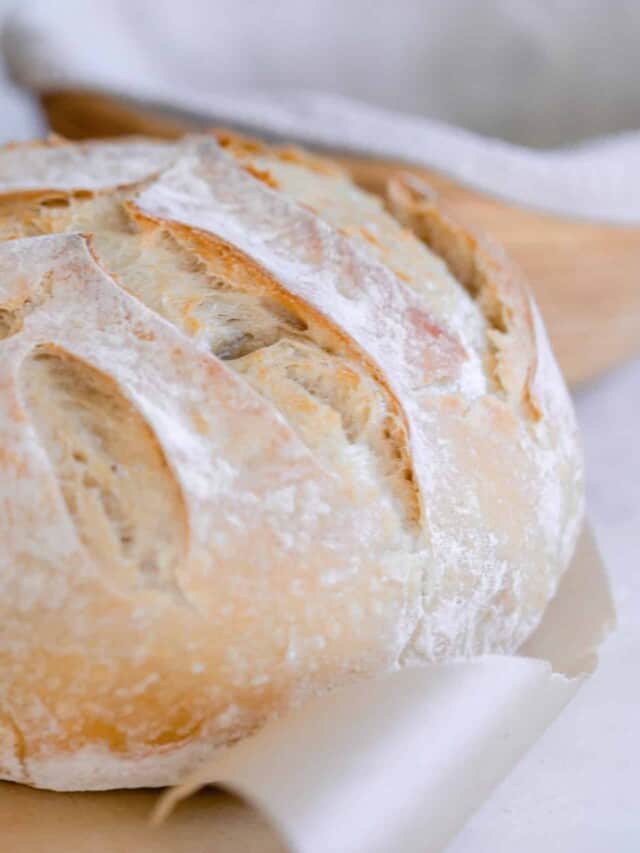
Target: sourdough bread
260	434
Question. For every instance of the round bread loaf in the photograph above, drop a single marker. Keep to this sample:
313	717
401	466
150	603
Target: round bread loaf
260	434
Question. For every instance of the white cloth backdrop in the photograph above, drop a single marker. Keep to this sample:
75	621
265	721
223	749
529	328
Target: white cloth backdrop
19	117
539	73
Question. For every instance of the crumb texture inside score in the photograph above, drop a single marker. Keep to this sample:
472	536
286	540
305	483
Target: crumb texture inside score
260	434
106	459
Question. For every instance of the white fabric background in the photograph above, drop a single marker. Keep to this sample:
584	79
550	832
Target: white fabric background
19	117
544	73
288	69
537	72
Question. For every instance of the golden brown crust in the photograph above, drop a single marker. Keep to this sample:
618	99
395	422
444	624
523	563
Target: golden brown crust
242	146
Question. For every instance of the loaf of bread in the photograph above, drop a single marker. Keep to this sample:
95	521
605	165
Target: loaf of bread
260	434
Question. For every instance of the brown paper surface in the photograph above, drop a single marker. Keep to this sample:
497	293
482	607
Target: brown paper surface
397	763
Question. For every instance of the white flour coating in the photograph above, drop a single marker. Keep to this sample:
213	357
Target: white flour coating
206	190
55	166
210	459
391	323
336	201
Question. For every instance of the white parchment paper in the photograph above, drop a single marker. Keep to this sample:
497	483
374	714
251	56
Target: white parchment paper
400	762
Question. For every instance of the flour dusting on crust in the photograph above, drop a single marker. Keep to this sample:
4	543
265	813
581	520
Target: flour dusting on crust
259	436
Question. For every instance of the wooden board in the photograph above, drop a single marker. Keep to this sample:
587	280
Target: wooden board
586	276
33	821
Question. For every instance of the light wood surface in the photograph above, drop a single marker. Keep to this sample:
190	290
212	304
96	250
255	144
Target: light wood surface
586	276
33	821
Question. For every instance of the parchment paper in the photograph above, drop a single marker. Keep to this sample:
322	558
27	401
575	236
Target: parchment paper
394	764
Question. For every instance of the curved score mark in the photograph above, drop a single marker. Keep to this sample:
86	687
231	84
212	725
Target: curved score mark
125	503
